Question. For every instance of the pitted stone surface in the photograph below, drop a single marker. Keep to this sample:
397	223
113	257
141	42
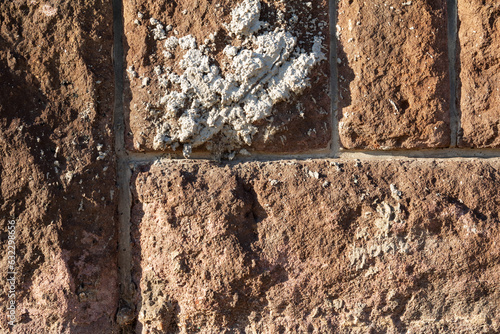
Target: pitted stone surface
479	73
284	246
57	168
393	74
249	75
317	246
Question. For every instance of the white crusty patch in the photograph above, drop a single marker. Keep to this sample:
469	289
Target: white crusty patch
245	18
158	30
230	51
187	42
171	43
202	102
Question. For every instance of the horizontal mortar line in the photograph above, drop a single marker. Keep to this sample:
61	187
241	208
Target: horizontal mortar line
453	153
138	157
447	153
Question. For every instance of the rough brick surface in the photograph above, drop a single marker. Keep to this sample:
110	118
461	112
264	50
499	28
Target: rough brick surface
393	74
283	246
317	246
302	123
57	168
479	73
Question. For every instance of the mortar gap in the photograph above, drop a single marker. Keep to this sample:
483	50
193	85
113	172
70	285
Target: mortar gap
126	309
452	60
423	154
333	12
445	153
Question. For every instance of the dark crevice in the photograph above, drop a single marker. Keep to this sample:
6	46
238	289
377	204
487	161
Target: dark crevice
452	57
126	308
335	144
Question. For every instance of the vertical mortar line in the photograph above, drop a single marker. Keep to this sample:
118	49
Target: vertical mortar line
452	48
335	147
123	174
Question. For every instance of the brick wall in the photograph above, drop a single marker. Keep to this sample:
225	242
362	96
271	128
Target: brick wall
253	167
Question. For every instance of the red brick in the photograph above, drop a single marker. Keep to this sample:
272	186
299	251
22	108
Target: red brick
479	73
319	246
57	168
302	123
393	74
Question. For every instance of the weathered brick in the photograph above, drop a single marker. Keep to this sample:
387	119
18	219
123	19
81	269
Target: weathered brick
317	246
219	121
57	170
393	74
479	73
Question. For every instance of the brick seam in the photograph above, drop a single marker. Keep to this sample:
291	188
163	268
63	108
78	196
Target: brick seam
452	56
335	142
126	307
451	153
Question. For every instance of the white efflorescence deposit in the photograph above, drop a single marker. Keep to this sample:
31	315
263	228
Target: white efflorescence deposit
203	101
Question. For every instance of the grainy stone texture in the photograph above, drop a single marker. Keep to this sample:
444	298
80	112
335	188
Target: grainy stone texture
57	168
479	73
393	74
317	246
301	124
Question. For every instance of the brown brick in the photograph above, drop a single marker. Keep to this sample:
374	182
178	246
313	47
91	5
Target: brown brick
318	246
57	170
302	122
479	73
393	74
